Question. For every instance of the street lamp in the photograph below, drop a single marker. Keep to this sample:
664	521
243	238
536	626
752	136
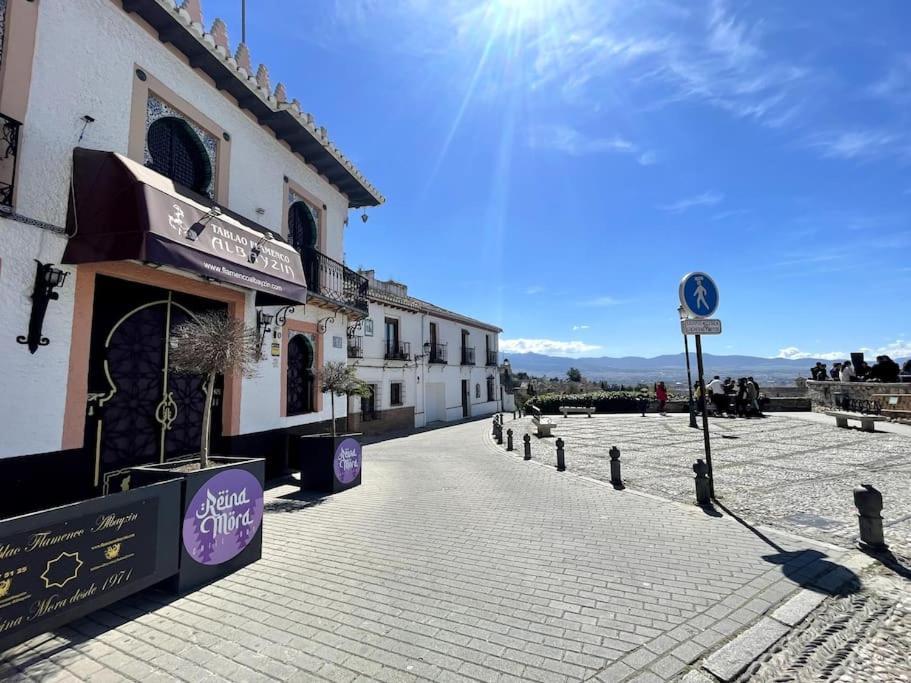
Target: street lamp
689	378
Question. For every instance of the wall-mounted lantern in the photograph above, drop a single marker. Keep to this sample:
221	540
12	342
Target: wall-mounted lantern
47	279
263	326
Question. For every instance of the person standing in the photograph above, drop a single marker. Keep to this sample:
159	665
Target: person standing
661	396
753	396
716	392
847	372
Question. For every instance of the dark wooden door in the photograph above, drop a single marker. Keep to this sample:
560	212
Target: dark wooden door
466	397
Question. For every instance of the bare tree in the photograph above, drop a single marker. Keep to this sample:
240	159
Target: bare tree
212	344
337	378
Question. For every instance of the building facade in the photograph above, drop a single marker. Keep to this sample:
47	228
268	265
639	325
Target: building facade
424	364
140	184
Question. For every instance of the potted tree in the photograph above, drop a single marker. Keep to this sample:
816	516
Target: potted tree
222	504
332	462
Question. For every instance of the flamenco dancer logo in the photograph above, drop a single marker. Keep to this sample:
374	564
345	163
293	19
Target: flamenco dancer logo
223	517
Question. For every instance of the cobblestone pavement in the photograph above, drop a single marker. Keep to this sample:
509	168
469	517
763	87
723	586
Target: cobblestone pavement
780	471
451	562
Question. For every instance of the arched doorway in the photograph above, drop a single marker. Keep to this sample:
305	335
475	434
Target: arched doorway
301	377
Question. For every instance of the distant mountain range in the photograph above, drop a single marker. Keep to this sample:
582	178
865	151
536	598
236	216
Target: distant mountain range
669	368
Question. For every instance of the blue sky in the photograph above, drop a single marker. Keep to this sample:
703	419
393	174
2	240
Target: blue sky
556	166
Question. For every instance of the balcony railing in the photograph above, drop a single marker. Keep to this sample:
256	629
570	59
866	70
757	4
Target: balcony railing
9	145
467	355
437	353
492	358
396	350
355	347
332	280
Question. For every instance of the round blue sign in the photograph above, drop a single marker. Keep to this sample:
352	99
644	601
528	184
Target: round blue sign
699	295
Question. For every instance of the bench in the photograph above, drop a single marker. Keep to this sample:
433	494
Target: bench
866	421
895	406
576	410
542	424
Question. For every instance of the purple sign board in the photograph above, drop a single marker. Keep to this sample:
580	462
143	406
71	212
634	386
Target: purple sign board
223	517
347	461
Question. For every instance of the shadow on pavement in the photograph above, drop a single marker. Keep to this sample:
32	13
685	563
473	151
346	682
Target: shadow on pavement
389	436
807	568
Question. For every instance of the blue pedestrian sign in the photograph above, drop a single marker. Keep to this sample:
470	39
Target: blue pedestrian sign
698	295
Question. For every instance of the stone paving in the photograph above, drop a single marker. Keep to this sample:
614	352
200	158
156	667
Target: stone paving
783	471
453	561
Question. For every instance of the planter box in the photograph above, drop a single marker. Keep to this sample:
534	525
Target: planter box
328	464
221	513
60	564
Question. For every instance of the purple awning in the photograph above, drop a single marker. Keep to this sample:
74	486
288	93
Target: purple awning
122	210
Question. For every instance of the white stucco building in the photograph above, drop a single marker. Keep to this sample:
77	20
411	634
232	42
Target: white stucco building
424	363
149	171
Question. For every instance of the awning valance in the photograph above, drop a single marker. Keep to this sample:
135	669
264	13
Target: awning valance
119	210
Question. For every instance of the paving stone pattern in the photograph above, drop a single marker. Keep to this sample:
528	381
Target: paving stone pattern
781	471
451	562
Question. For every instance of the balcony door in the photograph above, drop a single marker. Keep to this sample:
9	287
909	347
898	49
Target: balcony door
303	234
392	338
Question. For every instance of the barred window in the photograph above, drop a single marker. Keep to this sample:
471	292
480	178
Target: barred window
303	232
395	394
177	152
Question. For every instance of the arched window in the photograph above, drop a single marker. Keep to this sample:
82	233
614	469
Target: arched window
178	153
303	232
300	379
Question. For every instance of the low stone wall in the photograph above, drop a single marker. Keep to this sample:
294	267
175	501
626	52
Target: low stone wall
773	405
822	394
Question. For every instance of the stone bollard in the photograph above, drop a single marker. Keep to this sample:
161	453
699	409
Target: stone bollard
869	503
703	493
561	458
527	440
615	466
509	440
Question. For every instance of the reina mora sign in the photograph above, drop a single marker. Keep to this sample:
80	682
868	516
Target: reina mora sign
60	564
223	517
347	461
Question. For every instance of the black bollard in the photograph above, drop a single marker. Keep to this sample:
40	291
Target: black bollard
493	429
561	458
509	440
527	440
869	504
499	434
514	415
703	491
615	466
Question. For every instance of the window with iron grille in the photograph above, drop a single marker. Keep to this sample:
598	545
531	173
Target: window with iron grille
300	380
177	152
303	232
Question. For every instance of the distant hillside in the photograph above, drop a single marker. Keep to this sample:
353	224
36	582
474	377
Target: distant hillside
632	369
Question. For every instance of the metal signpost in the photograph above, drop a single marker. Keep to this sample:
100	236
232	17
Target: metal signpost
689	376
699	298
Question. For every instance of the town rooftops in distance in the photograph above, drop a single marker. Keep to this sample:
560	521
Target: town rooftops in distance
395	293
181	26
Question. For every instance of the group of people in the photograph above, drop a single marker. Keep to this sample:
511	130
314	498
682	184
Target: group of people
727	397
883	370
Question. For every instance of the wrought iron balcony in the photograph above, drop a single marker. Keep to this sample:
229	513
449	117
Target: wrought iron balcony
334	281
355	347
396	350
467	355
492	358
9	145
437	353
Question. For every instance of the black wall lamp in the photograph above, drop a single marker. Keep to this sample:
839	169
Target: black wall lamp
47	279
263	325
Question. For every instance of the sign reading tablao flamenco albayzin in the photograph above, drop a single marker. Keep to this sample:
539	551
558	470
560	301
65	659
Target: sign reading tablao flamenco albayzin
63	563
223	249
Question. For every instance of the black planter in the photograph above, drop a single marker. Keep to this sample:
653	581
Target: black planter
221	516
328	463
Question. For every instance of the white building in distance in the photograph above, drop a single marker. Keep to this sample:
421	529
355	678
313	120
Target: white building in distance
425	364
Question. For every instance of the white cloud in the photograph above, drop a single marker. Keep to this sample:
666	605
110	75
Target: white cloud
549	347
534	289
859	144
710	198
899	348
566	139
895	86
576	328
